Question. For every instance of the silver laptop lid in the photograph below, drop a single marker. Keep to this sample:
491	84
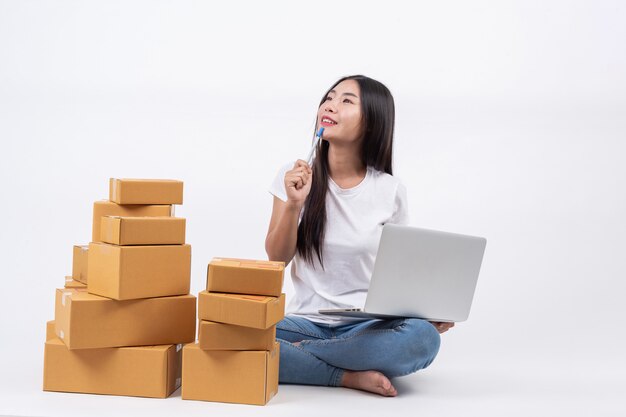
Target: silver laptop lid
425	273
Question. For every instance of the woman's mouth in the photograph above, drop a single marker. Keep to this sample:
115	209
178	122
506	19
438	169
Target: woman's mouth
327	121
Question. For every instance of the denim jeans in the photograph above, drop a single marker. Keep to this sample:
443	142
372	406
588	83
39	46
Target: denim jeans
393	347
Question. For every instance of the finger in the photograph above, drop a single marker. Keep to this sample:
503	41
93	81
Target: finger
303	164
304	176
294	181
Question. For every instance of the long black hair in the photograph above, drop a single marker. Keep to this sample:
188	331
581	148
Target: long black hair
377	123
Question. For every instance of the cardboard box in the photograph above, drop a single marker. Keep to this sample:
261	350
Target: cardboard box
133	272
138	191
85	321
142	230
220	336
245	276
71	283
80	263
257	311
144	371
245	377
108	208
50	330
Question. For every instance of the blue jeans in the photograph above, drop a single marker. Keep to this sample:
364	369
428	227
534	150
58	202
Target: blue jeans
392	347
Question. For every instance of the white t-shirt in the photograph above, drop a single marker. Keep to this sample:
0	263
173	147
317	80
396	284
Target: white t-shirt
354	222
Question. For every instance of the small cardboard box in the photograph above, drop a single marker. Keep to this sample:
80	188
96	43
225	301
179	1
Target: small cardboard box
50	330
144	371
220	336
142	230
244	377
85	321
133	272
257	311
139	191
71	283
80	263
108	208
245	276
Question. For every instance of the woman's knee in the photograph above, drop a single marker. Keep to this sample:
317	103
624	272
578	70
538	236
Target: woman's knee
423	342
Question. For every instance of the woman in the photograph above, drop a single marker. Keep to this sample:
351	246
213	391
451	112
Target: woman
328	219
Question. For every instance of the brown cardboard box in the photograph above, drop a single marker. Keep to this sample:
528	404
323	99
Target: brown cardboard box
138	191
108	208
143	371
220	336
50	330
133	272
245	276
245	377
84	320
80	263
142	230
70	283
257	311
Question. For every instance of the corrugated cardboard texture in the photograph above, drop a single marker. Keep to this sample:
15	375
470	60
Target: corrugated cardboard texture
108	208
220	336
134	272
244	377
146	371
70	283
80	263
143	230
145	191
245	276
85	321
256	311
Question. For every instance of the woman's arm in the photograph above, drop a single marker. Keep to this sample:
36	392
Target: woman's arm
282	234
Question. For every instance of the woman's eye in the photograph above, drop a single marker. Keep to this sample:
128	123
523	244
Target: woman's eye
344	100
327	98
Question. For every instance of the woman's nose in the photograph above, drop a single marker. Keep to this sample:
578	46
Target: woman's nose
329	107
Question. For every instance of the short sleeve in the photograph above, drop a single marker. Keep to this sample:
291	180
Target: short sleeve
401	207
277	188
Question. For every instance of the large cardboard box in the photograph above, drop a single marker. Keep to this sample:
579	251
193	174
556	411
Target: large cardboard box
245	276
109	208
140	191
143	230
133	272
80	263
257	311
143	371
71	283
85	321
245	377
220	336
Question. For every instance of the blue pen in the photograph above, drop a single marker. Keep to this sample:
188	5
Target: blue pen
316	141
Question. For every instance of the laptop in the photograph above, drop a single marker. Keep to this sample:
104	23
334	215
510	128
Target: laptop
421	273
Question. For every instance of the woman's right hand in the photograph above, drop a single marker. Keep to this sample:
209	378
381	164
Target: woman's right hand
298	183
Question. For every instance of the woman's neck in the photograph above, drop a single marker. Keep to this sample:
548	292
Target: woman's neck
345	165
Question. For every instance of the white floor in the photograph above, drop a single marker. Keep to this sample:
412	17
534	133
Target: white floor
552	385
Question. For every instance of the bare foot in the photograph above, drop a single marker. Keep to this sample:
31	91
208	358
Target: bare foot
370	381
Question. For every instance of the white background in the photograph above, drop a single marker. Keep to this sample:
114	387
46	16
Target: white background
510	125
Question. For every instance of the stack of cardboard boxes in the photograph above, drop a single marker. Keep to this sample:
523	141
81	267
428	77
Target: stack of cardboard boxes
123	316
236	358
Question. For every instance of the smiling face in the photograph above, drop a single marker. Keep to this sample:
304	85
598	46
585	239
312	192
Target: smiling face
340	113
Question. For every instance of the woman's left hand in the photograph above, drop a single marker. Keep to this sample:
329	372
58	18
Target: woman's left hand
441	326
